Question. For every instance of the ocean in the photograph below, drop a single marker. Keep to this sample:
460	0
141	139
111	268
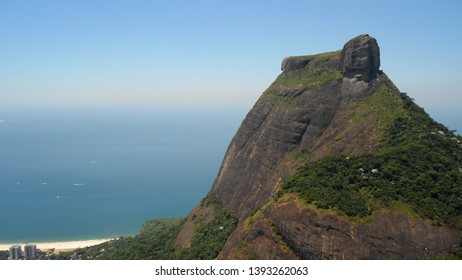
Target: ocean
90	173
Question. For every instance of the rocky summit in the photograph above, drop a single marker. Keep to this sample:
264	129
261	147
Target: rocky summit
334	162
361	58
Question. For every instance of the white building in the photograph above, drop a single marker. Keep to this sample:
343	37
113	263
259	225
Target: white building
15	252
30	251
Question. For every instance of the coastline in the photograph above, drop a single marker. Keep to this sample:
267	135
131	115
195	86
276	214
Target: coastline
58	245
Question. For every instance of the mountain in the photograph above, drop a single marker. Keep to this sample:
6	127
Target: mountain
334	162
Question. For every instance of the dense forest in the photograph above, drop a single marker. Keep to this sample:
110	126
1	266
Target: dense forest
419	167
156	240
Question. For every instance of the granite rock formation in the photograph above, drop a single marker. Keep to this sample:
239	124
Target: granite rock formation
361	58
293	231
312	110
294	62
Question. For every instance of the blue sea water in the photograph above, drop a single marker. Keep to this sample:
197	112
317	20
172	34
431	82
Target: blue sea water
88	173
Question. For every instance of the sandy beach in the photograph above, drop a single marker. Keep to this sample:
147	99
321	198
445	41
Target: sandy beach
59	245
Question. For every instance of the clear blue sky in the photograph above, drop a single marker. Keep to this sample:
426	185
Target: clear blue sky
214	52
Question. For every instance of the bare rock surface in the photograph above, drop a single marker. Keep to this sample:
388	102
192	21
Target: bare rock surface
361	58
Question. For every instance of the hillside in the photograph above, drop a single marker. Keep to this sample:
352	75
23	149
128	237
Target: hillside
332	162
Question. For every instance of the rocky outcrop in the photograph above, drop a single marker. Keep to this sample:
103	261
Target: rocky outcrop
328	62
295	62
315	108
313	234
361	58
257	242
388	234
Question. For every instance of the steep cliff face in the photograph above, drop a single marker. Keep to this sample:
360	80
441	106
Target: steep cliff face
302	111
291	229
321	105
361	58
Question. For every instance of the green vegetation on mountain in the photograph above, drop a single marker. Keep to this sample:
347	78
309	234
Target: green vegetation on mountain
418	165
312	76
382	109
454	256
156	240
210	237
4	255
